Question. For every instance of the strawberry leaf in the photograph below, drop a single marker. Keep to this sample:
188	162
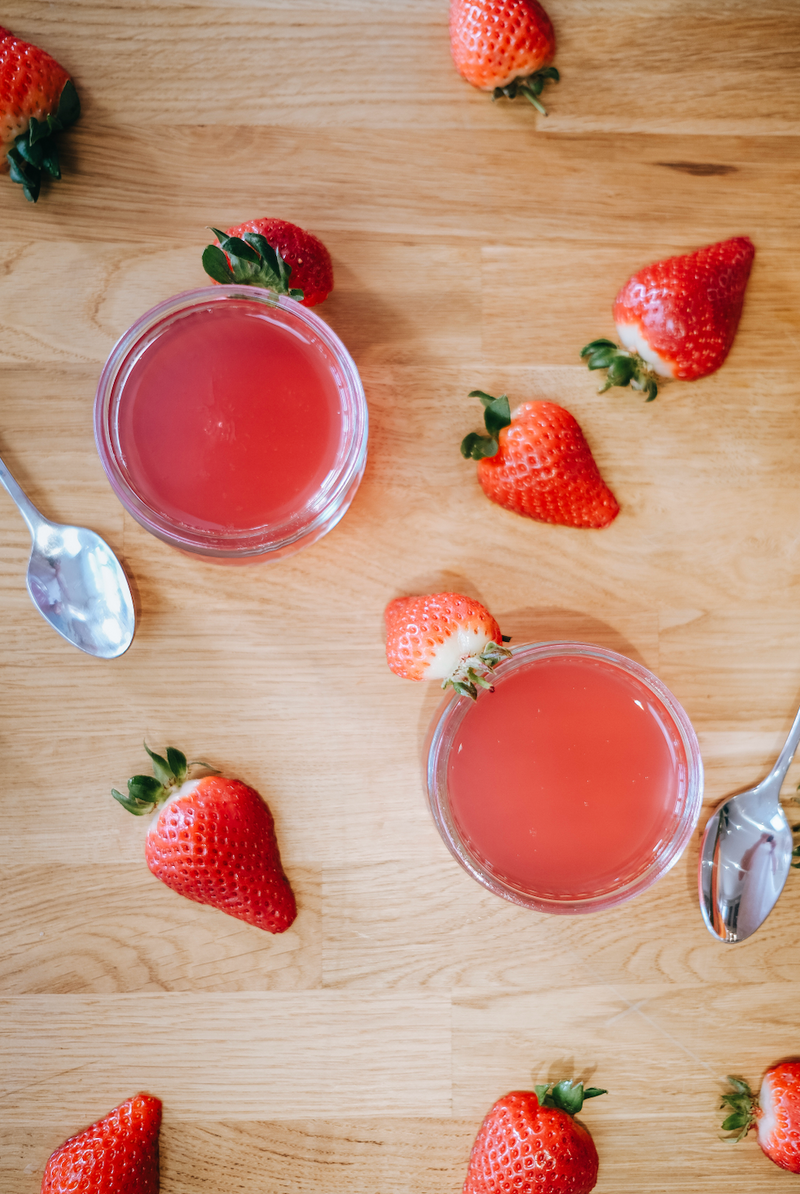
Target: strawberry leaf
476	447
620	371
248	261
531	87
235	247
69	105
137	807
177	763
624	368
215	263
163	772
28	176
602	358
497	415
567	1095
595	344
145	787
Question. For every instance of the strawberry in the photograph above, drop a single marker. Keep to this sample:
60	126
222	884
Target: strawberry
37	100
530	1143
538	463
504	46
676	318
775	1114
213	841
266	253
443	636
119	1153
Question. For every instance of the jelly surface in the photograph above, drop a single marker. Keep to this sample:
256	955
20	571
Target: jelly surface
568	778
231	420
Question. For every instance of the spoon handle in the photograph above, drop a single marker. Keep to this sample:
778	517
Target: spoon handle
33	518
787	754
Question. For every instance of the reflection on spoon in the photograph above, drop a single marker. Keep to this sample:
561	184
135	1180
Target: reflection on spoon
746	854
75	581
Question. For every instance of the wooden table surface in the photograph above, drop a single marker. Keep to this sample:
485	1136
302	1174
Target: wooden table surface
474	245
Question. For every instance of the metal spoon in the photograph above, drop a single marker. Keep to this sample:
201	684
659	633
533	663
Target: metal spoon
746	854
75	581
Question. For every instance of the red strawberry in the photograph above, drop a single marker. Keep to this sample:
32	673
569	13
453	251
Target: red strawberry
775	1114
258	253
676	318
37	100
531	1144
443	636
213	842
504	46
538	463
119	1153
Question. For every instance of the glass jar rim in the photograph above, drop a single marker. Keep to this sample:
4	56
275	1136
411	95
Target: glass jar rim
320	513
446	723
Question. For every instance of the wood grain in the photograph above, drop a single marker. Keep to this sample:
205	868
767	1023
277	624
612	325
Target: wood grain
474	245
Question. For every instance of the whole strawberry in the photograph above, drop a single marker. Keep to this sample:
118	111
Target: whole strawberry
268	253
676	318
530	1143
775	1114
119	1153
504	46
536	462
443	636
37	100
213	841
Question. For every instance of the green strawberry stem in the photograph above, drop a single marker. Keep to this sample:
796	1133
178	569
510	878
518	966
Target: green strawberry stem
248	261
624	368
496	416
566	1095
146	792
531	87
33	154
742	1104
469	675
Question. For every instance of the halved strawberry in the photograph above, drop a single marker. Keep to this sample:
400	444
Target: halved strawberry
443	636
676	318
37	100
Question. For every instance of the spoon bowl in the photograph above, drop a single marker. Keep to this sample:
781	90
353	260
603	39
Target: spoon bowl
75	581
746	853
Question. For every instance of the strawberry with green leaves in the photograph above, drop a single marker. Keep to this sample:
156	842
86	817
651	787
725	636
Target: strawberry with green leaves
775	1113
504	46
531	1143
37	101
444	636
268	253
676	318
117	1154
212	841
537	462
